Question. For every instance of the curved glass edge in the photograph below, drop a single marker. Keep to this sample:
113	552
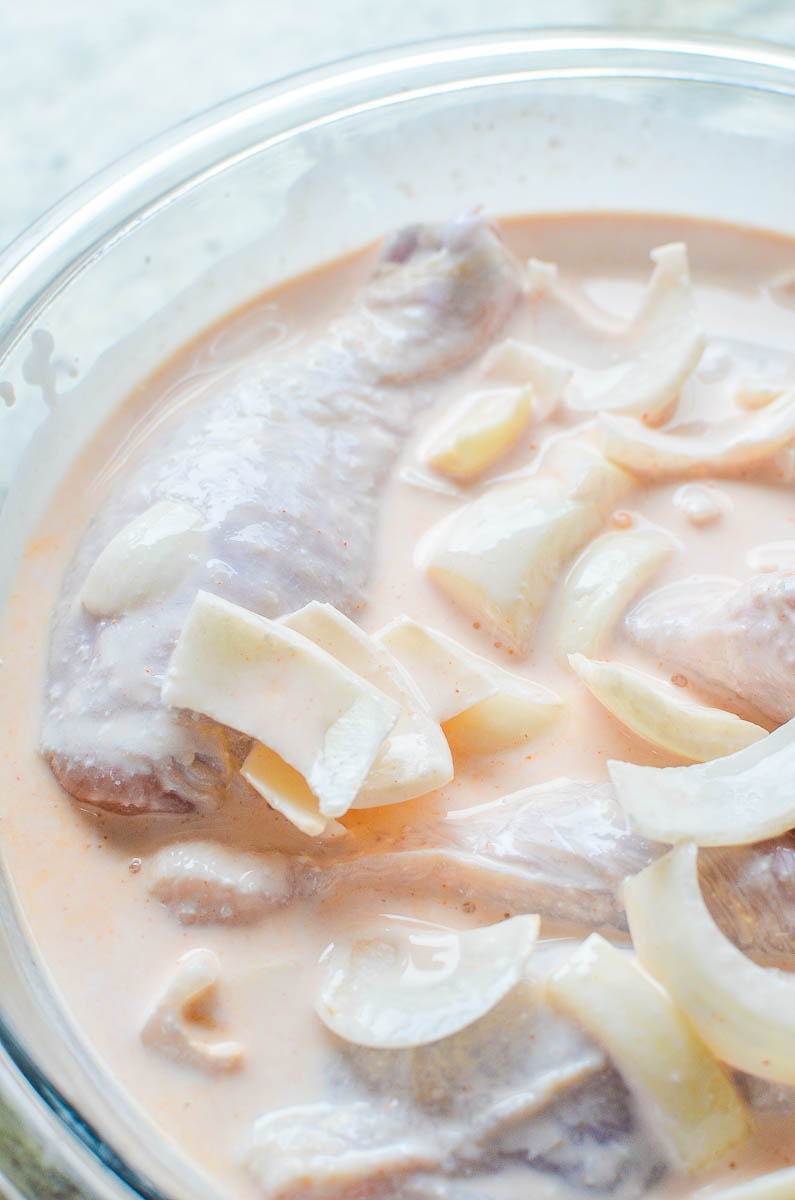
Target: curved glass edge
88	221
39	1162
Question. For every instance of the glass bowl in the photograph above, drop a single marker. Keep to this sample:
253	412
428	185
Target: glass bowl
131	266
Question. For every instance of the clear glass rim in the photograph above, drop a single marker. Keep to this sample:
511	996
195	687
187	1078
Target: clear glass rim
88	221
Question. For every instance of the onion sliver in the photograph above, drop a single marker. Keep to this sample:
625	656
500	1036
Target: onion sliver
663	342
654	1047
411	984
658	712
745	1013
777	1185
733	801
604	581
726	448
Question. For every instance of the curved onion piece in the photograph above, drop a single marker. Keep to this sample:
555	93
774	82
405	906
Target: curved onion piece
482	707
745	1013
415	758
146	559
412	984
777	1185
286	790
277	687
478	431
604	581
515	363
499	556
654	1047
665	342
658	712
733	801
725	448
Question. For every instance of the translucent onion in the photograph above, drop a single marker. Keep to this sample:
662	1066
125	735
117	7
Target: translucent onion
662	714
733	801
604	581
410	983
777	1185
745	1013
725	448
654	1047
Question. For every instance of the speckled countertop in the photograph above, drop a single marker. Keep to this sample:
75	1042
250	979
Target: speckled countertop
83	82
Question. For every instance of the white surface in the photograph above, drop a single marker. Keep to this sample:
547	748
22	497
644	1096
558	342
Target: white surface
83	82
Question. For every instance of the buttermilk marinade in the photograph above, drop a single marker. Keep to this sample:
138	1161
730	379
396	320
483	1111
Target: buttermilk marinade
335	797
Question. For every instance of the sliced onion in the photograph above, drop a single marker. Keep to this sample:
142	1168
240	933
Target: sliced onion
733	801
658	712
409	984
776	1185
745	1013
664	343
415	758
604	581
477	432
654	1047
725	448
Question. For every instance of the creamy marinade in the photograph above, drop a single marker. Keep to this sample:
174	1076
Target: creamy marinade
654	546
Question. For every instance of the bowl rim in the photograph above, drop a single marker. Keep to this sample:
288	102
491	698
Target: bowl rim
92	217
88	220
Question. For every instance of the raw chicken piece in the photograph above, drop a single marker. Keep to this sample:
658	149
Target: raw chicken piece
204	883
521	1087
285	463
330	1151
510	1064
563	849
736	640
750	891
594	1140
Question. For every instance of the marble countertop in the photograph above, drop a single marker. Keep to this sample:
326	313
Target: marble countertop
84	82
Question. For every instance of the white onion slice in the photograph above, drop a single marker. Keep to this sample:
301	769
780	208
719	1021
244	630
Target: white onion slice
483	708
287	791
415	758
499	557
411	984
724	448
513	363
660	713
146	559
776	1185
745	1013
604	581
664	343
477	432
654	1047
277	687
733	801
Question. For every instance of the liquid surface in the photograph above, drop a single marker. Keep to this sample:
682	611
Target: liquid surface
109	947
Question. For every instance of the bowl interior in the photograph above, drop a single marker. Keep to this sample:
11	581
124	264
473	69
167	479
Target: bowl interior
119	277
